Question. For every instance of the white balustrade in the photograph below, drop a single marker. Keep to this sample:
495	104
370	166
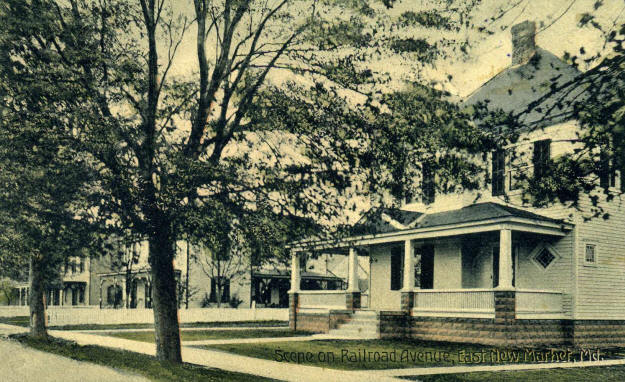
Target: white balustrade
330	299
76	316
479	303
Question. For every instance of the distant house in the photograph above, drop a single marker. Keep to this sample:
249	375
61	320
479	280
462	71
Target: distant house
94	282
483	267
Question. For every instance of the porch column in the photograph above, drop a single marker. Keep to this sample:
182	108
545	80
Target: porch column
505	259
353	291
294	291
295	272
62	298
407	292
352	278
20	294
408	267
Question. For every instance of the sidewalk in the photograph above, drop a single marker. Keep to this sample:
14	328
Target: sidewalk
230	362
212	328
291	371
21	363
418	371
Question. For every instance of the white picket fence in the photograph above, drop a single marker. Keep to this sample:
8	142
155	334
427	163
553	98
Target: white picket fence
94	315
58	317
13	311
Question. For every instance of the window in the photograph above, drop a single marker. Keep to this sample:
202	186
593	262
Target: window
81	265
424	267
397	259
114	295
499	172
607	173
541	158
225	289
591	254
622	177
428	185
544	258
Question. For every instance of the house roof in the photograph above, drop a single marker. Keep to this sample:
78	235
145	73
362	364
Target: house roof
304	275
517	89
375	222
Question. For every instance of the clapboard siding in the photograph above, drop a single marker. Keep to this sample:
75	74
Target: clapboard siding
601	288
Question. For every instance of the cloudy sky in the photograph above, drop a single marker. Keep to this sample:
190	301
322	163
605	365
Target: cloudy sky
558	32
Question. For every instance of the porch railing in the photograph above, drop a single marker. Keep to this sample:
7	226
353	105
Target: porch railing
479	303
538	303
335	299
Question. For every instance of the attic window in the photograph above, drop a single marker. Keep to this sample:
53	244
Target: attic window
544	258
591	254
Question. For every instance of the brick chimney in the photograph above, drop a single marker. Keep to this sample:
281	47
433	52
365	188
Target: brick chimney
523	42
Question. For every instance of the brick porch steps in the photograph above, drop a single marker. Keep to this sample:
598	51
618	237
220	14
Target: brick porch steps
363	325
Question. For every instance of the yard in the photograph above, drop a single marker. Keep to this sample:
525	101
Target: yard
604	374
395	354
24	321
134	363
357	354
199	335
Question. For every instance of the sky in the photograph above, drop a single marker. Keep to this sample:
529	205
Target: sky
557	25
556	21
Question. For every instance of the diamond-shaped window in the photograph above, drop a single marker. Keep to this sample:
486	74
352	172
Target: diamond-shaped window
544	258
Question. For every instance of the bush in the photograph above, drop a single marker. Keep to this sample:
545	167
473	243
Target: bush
235	301
206	302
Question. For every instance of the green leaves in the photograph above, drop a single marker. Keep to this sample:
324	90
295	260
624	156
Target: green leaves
428	19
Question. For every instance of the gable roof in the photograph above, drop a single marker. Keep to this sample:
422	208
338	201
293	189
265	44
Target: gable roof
517	88
375	222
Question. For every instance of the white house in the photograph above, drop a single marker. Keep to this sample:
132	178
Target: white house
484	267
86	281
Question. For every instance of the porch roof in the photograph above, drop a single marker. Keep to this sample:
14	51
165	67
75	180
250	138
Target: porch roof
287	275
387	224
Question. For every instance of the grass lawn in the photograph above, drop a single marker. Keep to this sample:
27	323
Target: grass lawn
24	321
198	335
348	354
391	354
18	320
605	374
134	363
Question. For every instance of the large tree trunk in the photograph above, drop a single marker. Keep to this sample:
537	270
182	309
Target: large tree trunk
165	306
36	299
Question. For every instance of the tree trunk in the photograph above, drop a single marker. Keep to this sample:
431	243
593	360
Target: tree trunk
36	300
167	328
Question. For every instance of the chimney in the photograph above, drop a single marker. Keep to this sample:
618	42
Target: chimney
523	42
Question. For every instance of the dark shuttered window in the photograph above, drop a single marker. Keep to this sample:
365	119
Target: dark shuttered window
541	158
428	185
499	172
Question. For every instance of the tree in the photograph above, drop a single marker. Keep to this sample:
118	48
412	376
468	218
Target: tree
163	146
7	286
41	203
595	100
125	257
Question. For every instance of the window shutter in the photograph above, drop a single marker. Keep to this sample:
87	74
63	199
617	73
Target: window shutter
499	172
428	185
396	268
541	158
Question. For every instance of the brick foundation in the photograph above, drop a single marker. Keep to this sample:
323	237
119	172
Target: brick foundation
392	324
352	300
293	306
407	301
597	333
504	330
322	322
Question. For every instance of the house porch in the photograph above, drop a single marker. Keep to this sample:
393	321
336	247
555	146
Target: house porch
485	281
